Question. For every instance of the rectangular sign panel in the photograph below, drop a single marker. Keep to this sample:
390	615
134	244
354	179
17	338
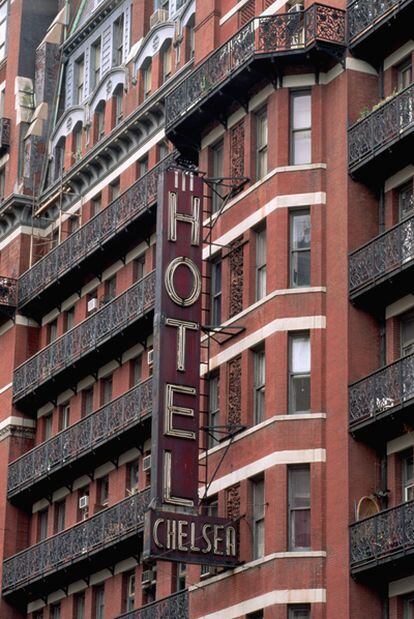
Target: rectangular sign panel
174	530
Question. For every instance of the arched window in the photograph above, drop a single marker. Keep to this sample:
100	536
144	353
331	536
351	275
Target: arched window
99	121
59	158
190	39
146	77
77	143
166	61
118	99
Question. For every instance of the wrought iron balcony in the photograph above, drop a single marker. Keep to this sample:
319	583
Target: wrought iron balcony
383	265
4	134
173	607
93	341
383	139
98	437
371	21
8	292
378	540
82	248
227	73
384	398
87	547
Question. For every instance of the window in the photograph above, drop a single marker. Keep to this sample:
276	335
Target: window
132	476
119	106
300	248
64	416
147	79
52	331
190	39
408	476
95	63
166	63
87	402
55	611
213	410
406	200
259	362
261	144
69	318
298	611
73	223
130	591
59	523
119	40
300	134
217	153
408	607
96	205
258	501
136	371
114	189
405	74
162	150
260	264
42	518
80	606
299	507
138	268
299	372
77	143
216	293
59	157
3	29
103	490
407	334
38	614
256	615
110	290
142	166
106	390
99	599
100	120
2	182
80	79
47	427
181	576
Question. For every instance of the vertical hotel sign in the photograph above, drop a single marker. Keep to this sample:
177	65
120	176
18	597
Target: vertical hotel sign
174	529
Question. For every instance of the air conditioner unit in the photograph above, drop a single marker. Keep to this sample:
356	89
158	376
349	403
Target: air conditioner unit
92	305
84	502
146	463
158	17
150	356
147	578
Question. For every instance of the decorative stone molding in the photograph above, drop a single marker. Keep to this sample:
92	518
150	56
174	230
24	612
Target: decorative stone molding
236	277
234	392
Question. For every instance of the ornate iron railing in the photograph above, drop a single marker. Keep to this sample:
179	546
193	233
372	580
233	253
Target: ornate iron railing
173	607
381	127
110	526
8	291
261	35
94	430
363	14
388	387
85	337
95	233
385	253
382	535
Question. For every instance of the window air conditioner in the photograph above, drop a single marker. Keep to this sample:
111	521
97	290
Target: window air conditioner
147	578
84	502
150	356
92	305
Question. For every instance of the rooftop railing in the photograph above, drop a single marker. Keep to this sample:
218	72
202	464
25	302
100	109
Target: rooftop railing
364	14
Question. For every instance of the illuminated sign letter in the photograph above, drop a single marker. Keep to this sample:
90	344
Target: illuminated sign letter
194	295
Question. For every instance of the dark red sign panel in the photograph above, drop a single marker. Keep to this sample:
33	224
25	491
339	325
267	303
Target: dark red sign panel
174	530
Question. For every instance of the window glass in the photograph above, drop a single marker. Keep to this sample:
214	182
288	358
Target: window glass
261	144
103	490
60	508
133	476
55	611
299	370
42	525
300	248
87	401
80	78
3	29
147	79
258	517
408	476
260	264
80	606
119	41
166	63
106	390
301	119
259	385
217	153
99	602
299	507
213	410
216	292
407	334
64	416
130	591
405	74
95	63
47	427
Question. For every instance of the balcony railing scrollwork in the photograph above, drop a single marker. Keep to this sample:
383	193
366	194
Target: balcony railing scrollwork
175	606
92	235
389	387
364	14
384	254
262	35
86	337
81	438
381	127
383	535
109	527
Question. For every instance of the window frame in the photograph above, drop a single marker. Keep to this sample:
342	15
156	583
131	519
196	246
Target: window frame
261	263
295	213
96	63
258	517
261	151
259	384
213	408
118	40
216	292
217	171
80	79
293	131
292	335
293	509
